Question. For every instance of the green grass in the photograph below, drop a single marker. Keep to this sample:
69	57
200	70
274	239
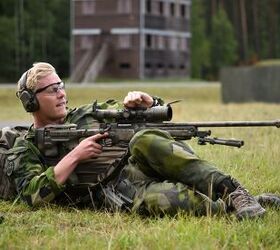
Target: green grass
269	62
256	165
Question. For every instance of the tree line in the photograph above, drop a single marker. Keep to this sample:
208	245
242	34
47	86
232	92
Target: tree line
233	32
30	31
224	32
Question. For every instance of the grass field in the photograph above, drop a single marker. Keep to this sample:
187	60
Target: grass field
256	165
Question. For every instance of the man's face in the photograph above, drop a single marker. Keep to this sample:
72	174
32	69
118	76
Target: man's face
52	100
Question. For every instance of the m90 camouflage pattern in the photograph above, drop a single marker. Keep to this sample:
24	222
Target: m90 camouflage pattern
54	141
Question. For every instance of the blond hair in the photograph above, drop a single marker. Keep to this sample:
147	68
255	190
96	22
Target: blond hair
37	72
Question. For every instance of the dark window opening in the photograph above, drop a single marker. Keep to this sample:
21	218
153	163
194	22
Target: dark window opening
182	66
183	10
148	41
125	65
148	6
161	8
160	65
172	9
148	65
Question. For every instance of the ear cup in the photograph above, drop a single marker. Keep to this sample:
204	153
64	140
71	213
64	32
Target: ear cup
29	100
27	97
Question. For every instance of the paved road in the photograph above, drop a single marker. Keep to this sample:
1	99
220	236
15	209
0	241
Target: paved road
14	123
134	84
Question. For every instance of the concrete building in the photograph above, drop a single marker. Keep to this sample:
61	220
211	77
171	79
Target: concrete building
132	39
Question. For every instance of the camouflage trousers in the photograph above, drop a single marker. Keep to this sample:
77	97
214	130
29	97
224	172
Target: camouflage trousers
168	177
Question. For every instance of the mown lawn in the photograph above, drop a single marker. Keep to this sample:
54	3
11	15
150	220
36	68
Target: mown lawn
256	165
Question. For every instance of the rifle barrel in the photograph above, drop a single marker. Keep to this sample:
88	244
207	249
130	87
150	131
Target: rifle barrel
274	123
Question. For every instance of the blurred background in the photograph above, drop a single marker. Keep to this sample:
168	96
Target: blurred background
105	40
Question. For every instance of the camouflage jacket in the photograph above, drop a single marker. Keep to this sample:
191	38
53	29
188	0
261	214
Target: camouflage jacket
34	179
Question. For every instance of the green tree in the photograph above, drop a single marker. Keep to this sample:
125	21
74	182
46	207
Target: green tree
33	31
223	43
59	43
199	42
7	45
49	33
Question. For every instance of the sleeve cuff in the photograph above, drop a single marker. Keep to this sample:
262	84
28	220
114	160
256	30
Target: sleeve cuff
157	101
57	188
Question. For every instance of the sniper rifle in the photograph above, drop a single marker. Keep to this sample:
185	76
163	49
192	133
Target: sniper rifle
126	123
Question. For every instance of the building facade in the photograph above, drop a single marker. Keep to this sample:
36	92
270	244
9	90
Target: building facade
130	38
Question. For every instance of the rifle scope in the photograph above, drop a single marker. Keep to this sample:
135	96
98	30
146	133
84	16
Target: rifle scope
154	114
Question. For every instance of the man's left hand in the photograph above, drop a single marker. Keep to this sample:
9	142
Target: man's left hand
138	99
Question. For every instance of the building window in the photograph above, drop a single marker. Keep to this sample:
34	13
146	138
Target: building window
125	65
86	42
148	6
160	65
88	7
183	10
148	41
161	8
172	9
124	41
148	65
182	66
151	41
124	6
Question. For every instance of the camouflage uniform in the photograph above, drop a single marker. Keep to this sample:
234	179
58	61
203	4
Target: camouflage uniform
164	175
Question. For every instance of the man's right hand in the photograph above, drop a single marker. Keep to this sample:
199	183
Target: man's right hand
89	147
86	149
